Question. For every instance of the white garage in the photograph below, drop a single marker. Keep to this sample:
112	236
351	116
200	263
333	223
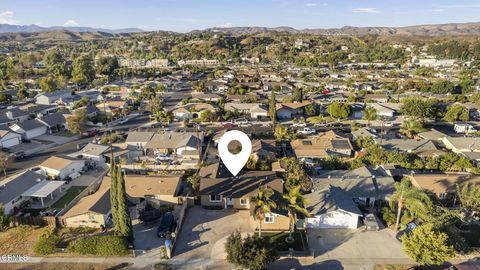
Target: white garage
30	128
333	220
9	138
332	208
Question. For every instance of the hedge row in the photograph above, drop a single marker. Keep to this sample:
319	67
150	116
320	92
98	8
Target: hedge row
102	245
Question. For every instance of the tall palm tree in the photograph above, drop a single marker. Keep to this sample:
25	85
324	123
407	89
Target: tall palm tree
370	114
294	204
411	127
262	204
408	197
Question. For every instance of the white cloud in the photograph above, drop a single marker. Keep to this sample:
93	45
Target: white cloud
366	10
70	23
311	4
7	17
438	10
227	25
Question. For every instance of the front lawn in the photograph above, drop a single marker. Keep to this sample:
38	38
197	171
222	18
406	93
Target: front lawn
277	239
472	235
71	193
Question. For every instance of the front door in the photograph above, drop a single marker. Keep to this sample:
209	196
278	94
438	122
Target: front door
229	201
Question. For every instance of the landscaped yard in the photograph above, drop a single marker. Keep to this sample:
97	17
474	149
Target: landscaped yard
277	239
72	192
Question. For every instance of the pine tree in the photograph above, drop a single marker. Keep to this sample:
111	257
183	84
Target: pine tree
124	221
113	193
272	108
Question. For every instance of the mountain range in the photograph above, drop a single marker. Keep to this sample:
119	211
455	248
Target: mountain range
33	28
416	30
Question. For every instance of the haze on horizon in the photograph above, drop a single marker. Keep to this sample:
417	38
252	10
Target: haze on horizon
187	15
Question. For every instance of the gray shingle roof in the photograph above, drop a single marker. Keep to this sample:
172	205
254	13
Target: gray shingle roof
329	199
30	124
13	187
53	119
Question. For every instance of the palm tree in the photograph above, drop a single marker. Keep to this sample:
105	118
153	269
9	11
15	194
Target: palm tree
411	127
262	204
370	114
294	204
412	199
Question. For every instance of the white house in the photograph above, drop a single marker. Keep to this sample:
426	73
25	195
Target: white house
30	128
52	97
332	208
61	167
94	152
9	138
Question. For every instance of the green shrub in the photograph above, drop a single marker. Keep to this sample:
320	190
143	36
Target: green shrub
46	244
104	245
388	216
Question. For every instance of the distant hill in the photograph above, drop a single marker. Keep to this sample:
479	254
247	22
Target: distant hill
416	30
57	35
9	28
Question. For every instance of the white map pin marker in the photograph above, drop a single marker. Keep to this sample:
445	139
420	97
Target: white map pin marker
234	163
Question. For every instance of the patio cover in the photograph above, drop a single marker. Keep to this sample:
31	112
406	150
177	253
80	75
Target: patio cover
43	189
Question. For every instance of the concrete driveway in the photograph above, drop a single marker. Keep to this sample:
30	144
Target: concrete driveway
204	232
146	235
354	244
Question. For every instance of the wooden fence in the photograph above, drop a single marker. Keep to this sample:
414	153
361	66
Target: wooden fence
49	221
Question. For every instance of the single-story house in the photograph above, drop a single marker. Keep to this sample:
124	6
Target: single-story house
174	142
60	167
291	110
9	138
95	152
442	185
29	128
255	110
91	211
158	189
264	149
12	189
54	122
52	97
219	189
322	146
364	185
462	144
331	207
138	139
423	148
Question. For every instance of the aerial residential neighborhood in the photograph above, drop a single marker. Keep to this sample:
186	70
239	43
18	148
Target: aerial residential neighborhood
239	147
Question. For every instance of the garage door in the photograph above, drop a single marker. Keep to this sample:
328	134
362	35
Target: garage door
10	142
332	220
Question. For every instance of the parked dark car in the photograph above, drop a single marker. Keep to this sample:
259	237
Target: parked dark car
167	225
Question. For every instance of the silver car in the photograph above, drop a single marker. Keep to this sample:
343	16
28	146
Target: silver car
371	222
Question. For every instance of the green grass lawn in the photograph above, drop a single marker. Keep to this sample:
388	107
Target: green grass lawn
277	239
72	192
473	236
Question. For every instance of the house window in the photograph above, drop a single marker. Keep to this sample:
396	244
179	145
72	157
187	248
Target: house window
215	198
442	195
243	201
269	218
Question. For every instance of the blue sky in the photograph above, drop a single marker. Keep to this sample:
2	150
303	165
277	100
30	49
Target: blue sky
186	15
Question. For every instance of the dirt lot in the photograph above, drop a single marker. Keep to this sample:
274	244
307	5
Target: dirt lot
11	244
63	266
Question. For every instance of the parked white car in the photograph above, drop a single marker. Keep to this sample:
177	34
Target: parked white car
299	125
307	131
